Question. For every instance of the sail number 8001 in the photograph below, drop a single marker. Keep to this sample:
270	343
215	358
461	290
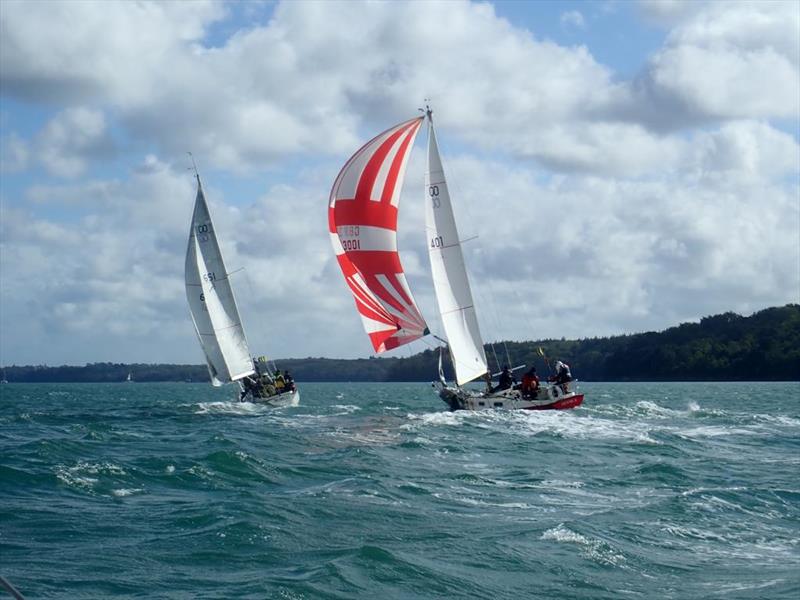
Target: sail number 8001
351	244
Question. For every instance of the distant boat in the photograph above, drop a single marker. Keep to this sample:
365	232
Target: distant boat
4	380
216	317
129	379
362	216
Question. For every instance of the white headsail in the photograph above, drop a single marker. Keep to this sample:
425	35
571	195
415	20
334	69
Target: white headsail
211	301
450	281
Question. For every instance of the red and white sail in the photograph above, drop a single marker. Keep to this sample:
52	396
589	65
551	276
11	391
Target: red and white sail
362	220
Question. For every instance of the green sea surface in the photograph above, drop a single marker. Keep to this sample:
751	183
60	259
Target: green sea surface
375	491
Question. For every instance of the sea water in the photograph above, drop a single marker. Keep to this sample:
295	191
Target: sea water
375	491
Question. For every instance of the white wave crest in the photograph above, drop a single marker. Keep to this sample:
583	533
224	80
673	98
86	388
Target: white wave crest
123	492
86	475
346	408
233	408
593	549
434	418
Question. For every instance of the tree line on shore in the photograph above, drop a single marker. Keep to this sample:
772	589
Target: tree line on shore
762	347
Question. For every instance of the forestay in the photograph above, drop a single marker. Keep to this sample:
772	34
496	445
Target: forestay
362	219
211	301
450	280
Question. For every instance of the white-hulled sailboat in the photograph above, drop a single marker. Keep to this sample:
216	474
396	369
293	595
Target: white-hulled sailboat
362	216
216	317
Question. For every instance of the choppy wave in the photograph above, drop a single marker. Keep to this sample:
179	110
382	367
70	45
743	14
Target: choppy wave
369	491
593	549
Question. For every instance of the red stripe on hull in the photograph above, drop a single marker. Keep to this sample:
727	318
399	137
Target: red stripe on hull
564	404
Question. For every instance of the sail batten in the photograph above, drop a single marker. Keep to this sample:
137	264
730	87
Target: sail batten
212	303
362	219
450	280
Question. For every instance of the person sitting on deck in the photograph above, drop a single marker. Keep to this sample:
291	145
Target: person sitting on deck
530	384
288	380
264	387
280	383
505	381
487	378
563	375
249	386
267	388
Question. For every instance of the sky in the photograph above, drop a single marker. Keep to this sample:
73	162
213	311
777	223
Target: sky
625	166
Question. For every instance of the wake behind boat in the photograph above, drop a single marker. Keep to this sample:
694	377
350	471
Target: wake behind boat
217	322
362	216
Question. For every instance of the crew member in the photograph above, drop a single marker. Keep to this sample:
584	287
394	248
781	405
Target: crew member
530	384
288	380
280	383
506	379
563	375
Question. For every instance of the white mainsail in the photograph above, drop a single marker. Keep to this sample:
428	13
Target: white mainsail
211	301
450	281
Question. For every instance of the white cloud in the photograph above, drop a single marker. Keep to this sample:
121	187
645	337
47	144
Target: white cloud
110	283
110	276
71	139
602	205
76	51
14	153
747	150
727	60
669	12
556	255
573	18
305	81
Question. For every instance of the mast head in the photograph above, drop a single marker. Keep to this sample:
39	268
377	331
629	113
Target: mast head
194	168
428	111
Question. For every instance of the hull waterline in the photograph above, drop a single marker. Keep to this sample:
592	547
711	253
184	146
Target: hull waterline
285	399
549	398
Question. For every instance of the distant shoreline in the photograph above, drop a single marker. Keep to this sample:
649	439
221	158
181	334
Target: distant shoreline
728	347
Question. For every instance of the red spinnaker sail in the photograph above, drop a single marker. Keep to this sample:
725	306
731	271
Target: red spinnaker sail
362	220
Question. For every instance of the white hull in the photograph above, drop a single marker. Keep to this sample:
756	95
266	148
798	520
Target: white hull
550	397
285	399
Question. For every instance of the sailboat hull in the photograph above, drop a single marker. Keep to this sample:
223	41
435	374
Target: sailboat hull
549	398
285	399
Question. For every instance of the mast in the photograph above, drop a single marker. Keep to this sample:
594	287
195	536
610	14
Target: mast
450	280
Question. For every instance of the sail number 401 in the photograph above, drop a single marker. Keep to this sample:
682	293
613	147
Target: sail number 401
437	242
